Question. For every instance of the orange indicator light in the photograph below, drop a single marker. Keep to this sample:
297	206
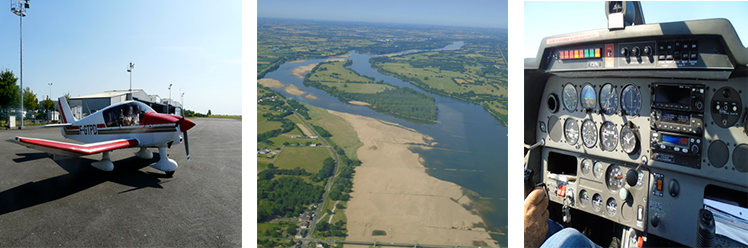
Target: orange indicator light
597	52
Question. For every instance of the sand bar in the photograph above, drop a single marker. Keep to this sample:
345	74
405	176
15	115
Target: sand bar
393	193
269	82
301	70
293	90
360	103
311	97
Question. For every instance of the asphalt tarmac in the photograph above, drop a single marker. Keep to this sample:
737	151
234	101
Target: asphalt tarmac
64	201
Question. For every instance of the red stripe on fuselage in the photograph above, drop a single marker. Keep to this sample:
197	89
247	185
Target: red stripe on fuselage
81	149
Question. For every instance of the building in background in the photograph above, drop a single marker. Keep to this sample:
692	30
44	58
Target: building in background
82	106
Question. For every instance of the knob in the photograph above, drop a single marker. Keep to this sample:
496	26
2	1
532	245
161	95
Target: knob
624	194
655	221
635	51
632	177
673	188
726	93
647	50
624	51
695	149
699	104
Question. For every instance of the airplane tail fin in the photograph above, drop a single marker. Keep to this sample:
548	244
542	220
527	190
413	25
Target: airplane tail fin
67	115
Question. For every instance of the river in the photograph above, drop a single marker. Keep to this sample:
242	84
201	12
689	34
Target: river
471	149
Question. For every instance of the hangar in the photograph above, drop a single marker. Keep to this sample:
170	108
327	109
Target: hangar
84	105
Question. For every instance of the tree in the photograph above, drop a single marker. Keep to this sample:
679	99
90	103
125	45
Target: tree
209	112
9	96
67	97
29	100
48	104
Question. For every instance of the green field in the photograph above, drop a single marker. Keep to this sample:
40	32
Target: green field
472	74
307	158
343	134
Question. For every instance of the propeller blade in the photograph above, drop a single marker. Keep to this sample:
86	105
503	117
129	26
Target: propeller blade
187	145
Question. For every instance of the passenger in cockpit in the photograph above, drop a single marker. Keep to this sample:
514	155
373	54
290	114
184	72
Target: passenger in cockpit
540	231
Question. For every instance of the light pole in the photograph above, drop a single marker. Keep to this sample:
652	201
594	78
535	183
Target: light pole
19	8
50	91
182	100
168	107
129	69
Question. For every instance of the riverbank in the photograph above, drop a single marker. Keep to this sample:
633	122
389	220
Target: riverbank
395	199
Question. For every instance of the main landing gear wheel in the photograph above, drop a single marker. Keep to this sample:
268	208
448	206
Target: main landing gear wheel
169	173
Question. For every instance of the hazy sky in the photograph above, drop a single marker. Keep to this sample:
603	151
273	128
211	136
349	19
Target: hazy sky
84	47
544	19
480	13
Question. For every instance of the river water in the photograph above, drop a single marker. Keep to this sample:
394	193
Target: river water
471	149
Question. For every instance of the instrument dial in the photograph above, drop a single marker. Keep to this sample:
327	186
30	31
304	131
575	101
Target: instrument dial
589	133
588	97
612	206
608	99
597	202
584	198
614	177
586	166
608	136
629	141
570	97
631	100
571	131
598	170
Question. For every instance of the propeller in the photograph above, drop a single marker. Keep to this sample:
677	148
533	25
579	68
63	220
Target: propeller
187	145
184	128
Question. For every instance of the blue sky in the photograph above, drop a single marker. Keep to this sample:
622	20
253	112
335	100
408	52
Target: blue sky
551	18
481	13
84	47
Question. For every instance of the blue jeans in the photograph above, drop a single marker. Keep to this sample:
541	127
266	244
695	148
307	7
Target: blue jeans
558	236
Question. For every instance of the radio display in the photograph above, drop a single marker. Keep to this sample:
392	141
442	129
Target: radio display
676	118
675	140
672	94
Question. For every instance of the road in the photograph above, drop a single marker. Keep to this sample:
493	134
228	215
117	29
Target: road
316	218
64	201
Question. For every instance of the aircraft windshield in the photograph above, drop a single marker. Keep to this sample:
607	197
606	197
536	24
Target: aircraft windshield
127	114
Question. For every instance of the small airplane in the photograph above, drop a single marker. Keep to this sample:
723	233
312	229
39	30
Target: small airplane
127	124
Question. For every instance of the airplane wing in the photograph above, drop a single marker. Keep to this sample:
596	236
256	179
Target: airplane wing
70	149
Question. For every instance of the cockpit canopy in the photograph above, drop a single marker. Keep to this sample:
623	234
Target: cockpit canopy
125	114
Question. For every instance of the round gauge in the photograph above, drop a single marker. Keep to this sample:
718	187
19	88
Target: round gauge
597	202
571	131
608	136
597	171
589	133
608	99
629	141
614	177
631	100
570	97
639	179
586	166
588	97
612	206
584	198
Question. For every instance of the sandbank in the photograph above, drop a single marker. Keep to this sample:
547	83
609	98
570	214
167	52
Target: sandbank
301	70
269	82
311	97
393	193
359	103
293	90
